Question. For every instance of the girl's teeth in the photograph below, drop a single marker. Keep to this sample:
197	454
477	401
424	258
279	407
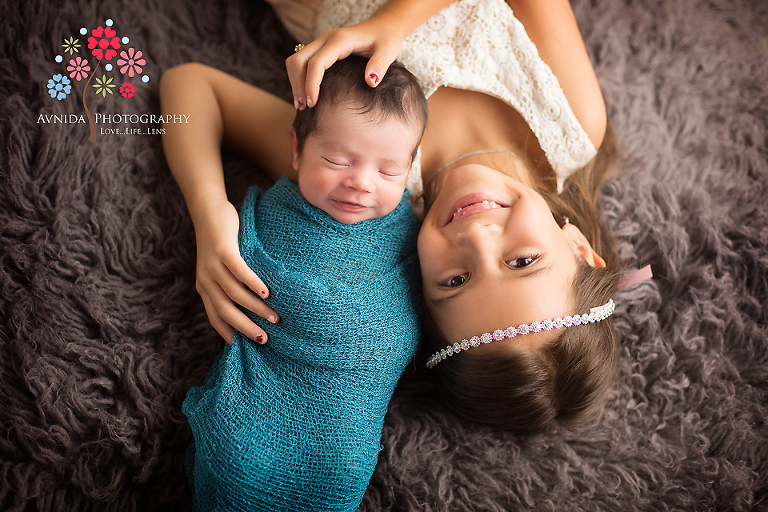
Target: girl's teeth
486	203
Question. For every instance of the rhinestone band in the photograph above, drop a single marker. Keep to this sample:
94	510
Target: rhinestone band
595	315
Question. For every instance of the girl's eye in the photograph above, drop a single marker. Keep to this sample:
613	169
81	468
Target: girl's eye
456	281
523	262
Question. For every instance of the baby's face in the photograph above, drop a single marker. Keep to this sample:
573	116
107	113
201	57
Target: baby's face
354	167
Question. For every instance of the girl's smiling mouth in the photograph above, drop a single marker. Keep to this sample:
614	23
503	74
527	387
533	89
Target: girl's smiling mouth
473	204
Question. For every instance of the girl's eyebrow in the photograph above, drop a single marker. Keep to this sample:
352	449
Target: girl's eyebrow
446	299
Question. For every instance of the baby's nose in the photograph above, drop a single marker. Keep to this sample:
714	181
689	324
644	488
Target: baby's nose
359	179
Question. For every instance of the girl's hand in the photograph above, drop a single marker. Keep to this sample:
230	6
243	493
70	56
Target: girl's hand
224	279
377	38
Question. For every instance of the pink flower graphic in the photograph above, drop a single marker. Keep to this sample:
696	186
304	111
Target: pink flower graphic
109	42
127	90
130	62
78	68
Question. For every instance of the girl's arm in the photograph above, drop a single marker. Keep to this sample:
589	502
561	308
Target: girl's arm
552	27
222	108
380	38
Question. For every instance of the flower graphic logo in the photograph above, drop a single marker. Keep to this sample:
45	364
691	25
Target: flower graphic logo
130	62
58	87
71	45
78	68
127	90
104	45
104	85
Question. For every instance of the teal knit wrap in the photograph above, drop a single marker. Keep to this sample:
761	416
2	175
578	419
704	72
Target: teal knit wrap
295	424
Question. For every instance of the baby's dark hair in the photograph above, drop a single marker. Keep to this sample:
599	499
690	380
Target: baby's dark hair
398	94
567	380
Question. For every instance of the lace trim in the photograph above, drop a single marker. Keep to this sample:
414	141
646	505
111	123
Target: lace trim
480	46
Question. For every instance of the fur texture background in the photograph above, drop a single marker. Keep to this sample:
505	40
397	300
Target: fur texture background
102	332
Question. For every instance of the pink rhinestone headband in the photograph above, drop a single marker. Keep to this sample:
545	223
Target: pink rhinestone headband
595	315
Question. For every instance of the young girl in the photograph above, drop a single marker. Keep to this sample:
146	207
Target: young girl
511	172
295	424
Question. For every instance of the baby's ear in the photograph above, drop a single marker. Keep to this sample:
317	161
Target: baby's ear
295	150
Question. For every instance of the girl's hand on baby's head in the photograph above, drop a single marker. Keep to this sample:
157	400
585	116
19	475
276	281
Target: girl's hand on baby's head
224	279
372	38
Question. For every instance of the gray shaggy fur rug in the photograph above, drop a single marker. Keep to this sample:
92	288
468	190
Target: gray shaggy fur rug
102	332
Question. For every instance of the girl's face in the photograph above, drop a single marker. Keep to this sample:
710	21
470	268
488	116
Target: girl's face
492	256
355	167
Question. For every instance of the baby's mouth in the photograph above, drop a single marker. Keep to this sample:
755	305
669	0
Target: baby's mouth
348	206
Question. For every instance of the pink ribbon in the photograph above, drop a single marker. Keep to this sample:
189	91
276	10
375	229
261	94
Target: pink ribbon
635	277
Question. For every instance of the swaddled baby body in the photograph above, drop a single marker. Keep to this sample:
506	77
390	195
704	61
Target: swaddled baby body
295	424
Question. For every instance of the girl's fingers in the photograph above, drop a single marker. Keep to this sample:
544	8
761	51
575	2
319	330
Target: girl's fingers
239	294
225	317
238	320
240	284
245	275
296	66
338	48
307	67
225	330
379	63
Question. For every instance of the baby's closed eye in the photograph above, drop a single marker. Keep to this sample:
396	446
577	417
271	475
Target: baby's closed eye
336	162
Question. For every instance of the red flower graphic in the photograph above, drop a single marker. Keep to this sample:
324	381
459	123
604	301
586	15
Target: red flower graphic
109	42
127	90
130	62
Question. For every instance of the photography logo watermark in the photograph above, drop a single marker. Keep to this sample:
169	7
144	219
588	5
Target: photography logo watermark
126	120
104	45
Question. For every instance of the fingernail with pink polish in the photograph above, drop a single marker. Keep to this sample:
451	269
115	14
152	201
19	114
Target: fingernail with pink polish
272	319
259	339
263	293
309	101
374	78
296	103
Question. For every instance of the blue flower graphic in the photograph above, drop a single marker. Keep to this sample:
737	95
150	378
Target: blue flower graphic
58	87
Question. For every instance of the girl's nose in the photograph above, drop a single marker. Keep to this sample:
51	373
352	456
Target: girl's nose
479	236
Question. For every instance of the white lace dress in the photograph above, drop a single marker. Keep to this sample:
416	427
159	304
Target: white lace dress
479	45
